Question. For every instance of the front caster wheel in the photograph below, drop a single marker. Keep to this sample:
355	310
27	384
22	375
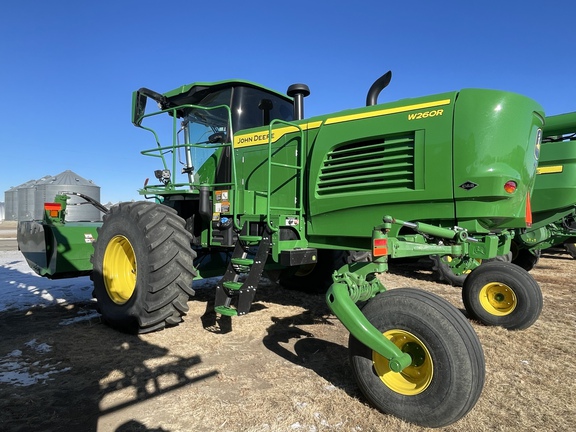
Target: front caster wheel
502	294
446	376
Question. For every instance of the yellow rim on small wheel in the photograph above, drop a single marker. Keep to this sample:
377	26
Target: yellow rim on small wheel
498	299
119	268
415	378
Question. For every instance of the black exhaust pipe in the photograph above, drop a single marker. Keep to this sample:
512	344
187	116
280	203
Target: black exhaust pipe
298	92
379	85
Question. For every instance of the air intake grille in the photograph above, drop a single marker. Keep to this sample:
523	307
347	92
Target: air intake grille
368	166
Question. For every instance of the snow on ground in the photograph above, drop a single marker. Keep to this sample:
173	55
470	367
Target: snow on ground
17	368
21	289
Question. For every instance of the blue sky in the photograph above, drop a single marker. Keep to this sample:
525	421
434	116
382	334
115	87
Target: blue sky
68	68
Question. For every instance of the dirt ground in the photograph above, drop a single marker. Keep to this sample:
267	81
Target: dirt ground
282	367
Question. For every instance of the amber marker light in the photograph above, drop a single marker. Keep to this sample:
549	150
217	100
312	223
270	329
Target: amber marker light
380	247
510	186
528	216
52	208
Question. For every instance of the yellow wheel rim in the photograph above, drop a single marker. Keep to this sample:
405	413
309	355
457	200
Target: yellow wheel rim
119	269
415	378
498	299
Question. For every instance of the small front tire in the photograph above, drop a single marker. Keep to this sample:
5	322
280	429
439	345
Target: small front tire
502	294
446	377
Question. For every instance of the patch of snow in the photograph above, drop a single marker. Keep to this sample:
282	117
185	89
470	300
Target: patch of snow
82	316
16	369
41	348
21	288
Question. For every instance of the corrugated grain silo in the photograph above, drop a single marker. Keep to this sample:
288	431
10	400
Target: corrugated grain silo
11	201
38	202
77	208
26	192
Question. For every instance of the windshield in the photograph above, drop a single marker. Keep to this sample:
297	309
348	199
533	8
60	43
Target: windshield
204	119
204	131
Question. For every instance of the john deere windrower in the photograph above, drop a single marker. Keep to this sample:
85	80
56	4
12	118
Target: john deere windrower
247	185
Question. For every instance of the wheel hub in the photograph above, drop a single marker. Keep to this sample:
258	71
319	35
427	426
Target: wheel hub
498	299
415	378
119	269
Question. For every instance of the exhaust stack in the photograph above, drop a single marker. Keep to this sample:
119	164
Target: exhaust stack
379	85
298	92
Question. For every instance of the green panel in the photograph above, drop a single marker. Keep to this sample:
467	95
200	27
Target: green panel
74	249
58	251
495	136
560	124
555	187
385	159
253	171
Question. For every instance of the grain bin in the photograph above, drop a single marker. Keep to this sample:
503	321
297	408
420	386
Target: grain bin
68	181
11	201
26	203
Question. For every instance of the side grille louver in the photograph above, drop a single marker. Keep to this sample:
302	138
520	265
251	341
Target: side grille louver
365	166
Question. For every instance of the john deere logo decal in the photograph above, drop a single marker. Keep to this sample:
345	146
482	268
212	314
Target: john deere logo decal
538	144
468	185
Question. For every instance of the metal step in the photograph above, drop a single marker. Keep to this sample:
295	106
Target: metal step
250	238
232	286
234	298
224	310
242	261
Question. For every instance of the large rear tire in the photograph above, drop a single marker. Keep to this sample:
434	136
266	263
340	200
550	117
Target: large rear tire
502	294
143	267
446	377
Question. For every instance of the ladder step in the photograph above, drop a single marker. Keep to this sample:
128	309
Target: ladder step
224	310
234	286
242	261
250	238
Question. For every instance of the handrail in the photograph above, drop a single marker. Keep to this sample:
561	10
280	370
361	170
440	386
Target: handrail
159	151
298	167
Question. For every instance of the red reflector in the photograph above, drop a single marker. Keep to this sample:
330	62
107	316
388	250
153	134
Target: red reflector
510	186
380	247
53	206
528	211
